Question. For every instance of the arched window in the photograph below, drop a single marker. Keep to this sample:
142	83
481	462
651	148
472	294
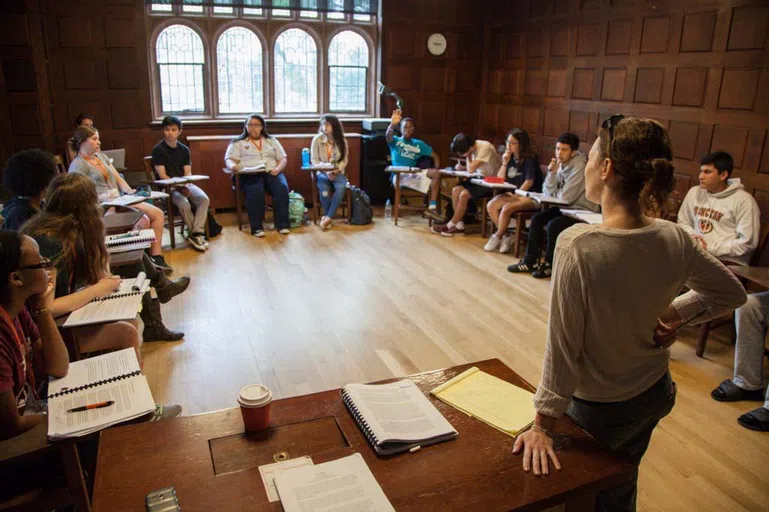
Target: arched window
180	60
239	72
296	72
347	72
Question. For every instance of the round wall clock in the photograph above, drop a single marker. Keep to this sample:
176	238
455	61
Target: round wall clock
436	44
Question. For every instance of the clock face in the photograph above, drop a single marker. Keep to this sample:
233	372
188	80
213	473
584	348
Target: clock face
436	44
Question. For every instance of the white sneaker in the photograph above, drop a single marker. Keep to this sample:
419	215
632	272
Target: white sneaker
492	244
259	233
507	244
284	231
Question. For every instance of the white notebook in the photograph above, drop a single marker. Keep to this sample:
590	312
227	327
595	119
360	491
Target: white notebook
342	485
396	417
182	179
129	241
541	198
123	304
254	169
129	199
112	377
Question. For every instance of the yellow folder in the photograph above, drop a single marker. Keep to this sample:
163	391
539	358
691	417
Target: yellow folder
494	401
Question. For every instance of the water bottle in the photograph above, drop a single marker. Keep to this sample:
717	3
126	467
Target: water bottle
388	210
305	157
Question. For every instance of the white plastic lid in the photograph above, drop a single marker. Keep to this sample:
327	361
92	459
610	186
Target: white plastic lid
254	395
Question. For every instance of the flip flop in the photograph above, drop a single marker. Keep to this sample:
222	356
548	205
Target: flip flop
728	391
757	419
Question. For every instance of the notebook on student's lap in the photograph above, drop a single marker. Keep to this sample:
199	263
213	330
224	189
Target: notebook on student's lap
123	304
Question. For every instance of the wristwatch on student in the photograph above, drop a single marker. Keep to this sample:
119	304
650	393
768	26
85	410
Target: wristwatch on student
35	313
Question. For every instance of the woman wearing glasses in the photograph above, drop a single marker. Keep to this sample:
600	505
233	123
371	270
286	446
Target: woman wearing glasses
31	347
615	307
258	151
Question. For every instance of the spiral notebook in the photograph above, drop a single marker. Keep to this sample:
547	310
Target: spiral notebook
123	304
129	241
112	377
396	417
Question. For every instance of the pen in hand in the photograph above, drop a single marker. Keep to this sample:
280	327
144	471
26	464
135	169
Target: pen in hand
88	407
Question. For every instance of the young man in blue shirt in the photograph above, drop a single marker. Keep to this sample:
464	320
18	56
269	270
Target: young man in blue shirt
407	151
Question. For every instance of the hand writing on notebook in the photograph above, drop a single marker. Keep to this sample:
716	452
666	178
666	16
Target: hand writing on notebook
107	285
537	447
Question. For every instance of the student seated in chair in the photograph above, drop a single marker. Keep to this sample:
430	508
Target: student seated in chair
566	181
481	157
70	230
80	120
171	159
26	176
520	168
719	214
406	151
748	384
31	348
330	147
93	163
255	146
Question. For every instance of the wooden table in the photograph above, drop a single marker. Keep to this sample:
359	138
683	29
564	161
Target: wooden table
758	275
214	466
118	223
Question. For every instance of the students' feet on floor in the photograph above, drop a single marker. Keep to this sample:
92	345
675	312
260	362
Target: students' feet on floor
258	233
325	223
160	332
172	289
544	271
166	412
284	231
506	244
197	240
493	243
757	419
160	263
728	391
433	215
522	267
449	229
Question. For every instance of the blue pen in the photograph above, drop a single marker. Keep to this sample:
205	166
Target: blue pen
125	235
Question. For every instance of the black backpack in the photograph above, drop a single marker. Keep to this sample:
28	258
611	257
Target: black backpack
361	207
214	228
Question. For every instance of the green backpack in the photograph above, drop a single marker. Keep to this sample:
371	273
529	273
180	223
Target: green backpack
296	209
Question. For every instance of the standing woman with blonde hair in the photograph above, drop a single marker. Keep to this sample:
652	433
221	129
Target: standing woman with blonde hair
615	306
91	162
330	147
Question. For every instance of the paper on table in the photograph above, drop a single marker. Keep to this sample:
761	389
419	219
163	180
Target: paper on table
345	484
398	411
268	474
541	198
494	401
112	310
416	181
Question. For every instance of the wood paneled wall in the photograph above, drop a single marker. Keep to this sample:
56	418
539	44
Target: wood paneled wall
441	93
699	67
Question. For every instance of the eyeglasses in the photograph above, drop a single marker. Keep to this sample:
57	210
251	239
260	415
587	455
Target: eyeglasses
45	263
609	125
251	125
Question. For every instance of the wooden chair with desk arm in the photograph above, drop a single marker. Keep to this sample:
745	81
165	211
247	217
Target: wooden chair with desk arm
345	205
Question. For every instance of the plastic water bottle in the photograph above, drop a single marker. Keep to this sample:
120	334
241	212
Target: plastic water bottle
388	210
305	157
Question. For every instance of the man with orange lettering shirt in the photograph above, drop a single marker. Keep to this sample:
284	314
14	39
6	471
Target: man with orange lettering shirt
719	213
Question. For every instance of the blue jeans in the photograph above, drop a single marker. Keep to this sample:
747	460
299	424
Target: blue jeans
330	200
277	186
625	428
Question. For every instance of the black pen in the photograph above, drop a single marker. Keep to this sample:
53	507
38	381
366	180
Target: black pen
92	406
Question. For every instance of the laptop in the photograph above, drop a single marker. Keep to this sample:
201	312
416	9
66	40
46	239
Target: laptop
117	156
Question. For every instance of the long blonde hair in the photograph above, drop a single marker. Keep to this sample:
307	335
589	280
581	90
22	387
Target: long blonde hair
73	217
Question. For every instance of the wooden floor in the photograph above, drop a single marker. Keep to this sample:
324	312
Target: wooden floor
314	311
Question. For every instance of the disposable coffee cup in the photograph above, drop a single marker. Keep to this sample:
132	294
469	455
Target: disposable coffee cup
255	402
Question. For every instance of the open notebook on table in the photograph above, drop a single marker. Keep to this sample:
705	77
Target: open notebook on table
123	304
180	180
492	400
542	198
396	417
114	377
140	239
130	199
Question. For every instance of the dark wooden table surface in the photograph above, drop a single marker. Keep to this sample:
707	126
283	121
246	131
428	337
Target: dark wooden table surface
121	259
758	275
214	466
120	222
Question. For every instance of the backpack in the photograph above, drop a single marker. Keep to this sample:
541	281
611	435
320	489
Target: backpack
296	209
214	228
361	213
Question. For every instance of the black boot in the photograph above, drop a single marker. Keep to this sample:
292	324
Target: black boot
168	289
154	330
